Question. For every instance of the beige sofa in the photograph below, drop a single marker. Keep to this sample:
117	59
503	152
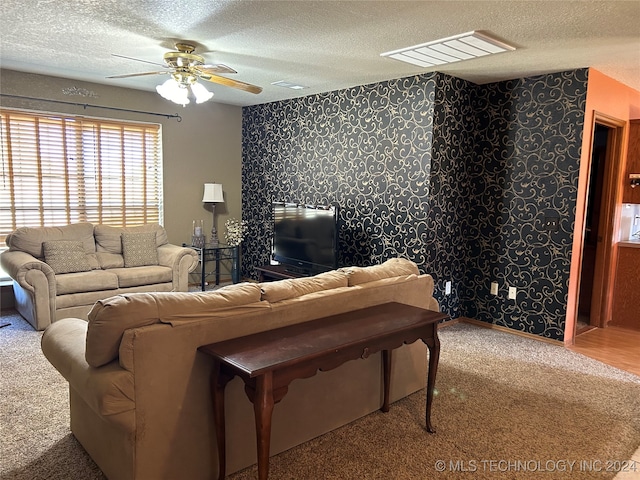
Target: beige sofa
139	388
60	272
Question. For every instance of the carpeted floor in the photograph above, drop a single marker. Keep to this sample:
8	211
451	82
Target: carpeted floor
34	413
507	407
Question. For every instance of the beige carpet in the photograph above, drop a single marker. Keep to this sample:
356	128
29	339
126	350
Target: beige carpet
507	407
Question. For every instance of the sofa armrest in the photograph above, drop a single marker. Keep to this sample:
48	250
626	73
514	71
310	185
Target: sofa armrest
17	264
34	287
108	390
182	261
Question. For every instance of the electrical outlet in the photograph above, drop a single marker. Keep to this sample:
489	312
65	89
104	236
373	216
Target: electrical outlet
551	224
512	293
447	288
494	288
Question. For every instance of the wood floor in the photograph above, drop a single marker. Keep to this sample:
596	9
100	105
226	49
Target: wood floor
615	346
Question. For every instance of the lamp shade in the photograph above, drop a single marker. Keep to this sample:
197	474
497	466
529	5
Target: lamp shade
213	193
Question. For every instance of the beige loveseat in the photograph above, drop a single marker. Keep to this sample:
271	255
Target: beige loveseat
60	272
139	388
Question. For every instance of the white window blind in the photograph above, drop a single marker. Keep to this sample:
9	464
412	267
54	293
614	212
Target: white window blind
61	169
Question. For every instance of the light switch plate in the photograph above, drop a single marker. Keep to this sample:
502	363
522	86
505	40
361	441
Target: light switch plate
512	293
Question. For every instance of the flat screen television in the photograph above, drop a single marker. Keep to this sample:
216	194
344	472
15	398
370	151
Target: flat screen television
305	237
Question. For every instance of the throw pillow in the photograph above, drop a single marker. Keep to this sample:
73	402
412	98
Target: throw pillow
109	239
66	256
139	249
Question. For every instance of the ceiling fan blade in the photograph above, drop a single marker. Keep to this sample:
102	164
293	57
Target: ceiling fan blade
213	69
247	87
139	60
126	75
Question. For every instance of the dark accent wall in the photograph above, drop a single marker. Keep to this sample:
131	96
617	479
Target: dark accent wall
528	139
454	176
367	148
450	201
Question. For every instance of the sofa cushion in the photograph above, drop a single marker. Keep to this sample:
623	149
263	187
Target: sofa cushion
296	287
393	267
78	304
224	301
401	289
109	239
109	318
30	239
108	260
139	249
136	276
65	256
93	281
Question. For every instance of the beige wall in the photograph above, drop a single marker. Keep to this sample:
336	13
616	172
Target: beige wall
205	147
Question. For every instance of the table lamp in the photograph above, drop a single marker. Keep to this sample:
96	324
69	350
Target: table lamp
213	195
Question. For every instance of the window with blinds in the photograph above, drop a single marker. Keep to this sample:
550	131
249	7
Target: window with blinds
60	169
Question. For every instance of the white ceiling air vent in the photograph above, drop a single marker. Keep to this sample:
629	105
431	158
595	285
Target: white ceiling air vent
448	50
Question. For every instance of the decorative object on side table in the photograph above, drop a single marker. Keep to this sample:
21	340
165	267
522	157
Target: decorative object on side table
235	231
197	237
213	194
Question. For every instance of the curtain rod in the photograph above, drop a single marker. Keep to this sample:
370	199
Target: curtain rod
87	105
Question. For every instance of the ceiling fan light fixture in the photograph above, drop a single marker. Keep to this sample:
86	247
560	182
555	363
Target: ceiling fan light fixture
186	68
201	93
174	92
451	49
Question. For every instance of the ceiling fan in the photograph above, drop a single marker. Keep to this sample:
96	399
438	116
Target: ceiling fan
186	68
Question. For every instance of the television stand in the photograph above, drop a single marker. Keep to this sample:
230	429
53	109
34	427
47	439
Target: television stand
277	272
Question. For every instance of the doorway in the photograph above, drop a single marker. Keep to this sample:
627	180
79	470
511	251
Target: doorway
596	272
592	220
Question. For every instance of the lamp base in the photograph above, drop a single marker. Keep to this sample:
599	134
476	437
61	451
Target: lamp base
214	234
214	239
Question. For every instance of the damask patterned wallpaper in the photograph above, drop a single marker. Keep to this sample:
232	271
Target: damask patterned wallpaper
457	177
528	142
367	148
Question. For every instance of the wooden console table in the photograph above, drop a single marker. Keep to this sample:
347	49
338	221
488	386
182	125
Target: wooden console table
269	361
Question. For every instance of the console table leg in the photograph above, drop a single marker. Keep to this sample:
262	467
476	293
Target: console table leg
263	408
433	344
386	369
218	384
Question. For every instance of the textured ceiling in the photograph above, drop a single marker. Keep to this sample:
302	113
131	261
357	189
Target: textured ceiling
324	45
